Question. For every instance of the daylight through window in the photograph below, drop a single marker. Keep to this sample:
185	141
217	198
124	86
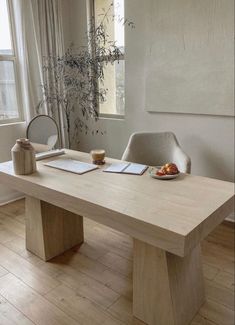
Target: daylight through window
9	108
114	74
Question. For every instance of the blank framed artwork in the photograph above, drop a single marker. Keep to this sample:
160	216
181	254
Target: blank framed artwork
189	64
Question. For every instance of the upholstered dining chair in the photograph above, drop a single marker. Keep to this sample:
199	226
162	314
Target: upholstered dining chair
156	149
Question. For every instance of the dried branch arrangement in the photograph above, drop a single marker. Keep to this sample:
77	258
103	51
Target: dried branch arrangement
75	80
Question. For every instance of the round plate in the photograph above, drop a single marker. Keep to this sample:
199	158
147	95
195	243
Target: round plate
153	171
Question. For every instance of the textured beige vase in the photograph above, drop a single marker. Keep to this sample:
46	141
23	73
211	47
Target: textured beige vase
23	157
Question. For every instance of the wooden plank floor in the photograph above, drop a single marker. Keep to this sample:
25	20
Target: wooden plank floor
92	284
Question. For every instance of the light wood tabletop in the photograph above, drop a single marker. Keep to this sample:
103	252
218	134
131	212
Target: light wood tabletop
167	220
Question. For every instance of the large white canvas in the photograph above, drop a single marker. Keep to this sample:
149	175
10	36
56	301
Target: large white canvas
190	57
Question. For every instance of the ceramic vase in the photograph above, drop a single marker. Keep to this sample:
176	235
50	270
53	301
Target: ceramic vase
23	157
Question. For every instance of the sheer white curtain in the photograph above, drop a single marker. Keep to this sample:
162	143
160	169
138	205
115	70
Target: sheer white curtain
38	29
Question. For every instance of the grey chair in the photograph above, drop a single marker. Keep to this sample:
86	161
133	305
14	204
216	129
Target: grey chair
156	149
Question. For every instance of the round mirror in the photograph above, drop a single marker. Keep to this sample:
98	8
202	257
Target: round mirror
43	133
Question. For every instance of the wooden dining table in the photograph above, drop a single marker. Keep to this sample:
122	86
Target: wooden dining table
166	219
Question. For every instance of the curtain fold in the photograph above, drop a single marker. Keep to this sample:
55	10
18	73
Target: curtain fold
38	26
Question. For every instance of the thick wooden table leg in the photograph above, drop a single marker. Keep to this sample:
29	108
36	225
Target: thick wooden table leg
51	230
167	289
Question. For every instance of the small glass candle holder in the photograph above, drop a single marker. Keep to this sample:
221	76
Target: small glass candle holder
98	156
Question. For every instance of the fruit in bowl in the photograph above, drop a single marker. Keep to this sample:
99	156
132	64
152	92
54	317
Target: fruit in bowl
168	169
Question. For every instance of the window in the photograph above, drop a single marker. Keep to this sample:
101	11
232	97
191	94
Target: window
9	100
114	73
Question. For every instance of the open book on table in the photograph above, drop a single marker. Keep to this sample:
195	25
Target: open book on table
126	168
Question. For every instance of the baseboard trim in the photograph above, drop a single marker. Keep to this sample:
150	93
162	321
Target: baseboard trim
231	217
229	220
12	197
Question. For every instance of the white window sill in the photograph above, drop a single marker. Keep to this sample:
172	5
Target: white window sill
111	117
8	123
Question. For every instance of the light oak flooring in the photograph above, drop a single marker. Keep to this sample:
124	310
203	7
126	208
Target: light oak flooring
92	284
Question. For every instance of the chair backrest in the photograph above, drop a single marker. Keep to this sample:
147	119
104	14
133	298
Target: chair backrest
151	148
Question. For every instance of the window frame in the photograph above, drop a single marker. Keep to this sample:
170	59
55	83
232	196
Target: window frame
90	15
14	59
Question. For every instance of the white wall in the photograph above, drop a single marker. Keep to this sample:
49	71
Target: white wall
209	140
8	135
190	53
